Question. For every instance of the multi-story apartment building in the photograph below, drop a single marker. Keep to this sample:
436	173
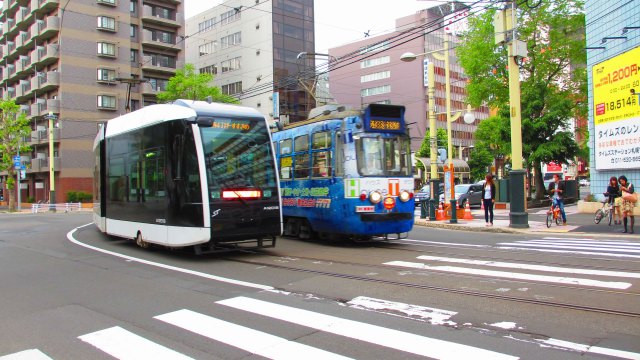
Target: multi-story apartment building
80	61
381	77
252	48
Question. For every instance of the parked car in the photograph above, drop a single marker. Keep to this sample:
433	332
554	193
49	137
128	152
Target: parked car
471	193
425	193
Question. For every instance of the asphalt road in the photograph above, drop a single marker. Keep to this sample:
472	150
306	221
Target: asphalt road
71	293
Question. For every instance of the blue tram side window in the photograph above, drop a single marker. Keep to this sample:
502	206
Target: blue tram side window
286	160
301	161
321	144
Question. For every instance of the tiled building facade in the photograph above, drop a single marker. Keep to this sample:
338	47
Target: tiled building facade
612	29
75	60
251	47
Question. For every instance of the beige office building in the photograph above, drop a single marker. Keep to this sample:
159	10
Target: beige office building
79	60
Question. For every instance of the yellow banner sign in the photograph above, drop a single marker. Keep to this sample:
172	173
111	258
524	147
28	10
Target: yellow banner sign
616	111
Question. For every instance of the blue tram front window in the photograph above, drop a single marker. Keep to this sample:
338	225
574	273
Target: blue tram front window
378	156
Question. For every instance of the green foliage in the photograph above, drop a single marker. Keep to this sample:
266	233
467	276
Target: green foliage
425	147
187	84
14	125
553	80
480	158
79	196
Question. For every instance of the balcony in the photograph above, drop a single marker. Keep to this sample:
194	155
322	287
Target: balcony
45	55
148	89
44	82
42	164
22	91
46	28
42	7
42	136
162	41
10	93
8	27
153	15
23	65
168	66
52	105
36	109
23	14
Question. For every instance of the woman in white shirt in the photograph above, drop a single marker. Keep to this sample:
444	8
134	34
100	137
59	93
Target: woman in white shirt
488	198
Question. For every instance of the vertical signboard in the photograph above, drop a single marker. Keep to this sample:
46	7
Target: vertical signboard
276	105
616	107
425	69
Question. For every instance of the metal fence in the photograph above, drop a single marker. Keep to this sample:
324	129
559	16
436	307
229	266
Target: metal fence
62	207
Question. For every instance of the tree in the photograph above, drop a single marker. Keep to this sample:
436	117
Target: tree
187	84
553	79
14	125
425	147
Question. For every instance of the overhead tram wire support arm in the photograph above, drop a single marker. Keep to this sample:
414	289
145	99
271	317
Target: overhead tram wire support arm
130	82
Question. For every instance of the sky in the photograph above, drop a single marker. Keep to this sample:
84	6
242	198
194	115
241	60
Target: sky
338	22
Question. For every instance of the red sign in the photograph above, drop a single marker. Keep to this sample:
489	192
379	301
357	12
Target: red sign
553	167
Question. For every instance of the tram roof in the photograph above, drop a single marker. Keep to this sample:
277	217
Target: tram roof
147	116
204	108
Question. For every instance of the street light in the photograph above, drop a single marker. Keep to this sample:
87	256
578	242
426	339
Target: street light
468	118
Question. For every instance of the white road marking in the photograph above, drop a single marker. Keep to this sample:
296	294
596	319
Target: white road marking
545	268
415	344
574	247
431	315
31	354
512	275
122	344
440	243
253	341
591	349
570	252
164	266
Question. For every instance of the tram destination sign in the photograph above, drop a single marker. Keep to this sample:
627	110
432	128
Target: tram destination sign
232	125
384	125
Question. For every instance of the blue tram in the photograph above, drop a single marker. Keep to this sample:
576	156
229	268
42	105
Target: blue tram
347	174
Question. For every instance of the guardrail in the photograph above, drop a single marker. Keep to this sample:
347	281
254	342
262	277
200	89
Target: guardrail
62	207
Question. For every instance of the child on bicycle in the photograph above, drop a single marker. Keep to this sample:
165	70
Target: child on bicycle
615	199
556	190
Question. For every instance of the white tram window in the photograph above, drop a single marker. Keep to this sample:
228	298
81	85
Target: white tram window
321	140
370	154
285	147
301	143
321	164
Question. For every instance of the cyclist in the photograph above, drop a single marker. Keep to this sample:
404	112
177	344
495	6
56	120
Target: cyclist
613	193
556	190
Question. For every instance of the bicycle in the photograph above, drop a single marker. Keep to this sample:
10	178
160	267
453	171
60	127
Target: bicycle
553	214
605	212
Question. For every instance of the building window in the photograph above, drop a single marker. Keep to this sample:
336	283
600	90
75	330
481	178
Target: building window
133	31
106	102
133	6
211	69
230	65
106	74
375	76
230	40
163	13
158	84
374	47
229	17
107	2
162	60
208	48
374	62
106	49
106	23
234	88
375	90
134	55
207	25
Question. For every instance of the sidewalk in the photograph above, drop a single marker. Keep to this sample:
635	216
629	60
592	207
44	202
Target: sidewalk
577	223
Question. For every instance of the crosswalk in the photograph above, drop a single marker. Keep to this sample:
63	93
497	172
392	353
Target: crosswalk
122	343
623	249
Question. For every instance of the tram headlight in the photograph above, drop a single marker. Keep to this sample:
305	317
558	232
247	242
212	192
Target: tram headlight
375	197
405	196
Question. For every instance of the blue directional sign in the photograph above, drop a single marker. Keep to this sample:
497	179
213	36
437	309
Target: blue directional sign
16	162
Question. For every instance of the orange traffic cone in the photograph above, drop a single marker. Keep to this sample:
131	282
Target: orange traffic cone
467	212
440	213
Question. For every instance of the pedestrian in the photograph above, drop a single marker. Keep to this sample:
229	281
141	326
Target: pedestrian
614	199
628	202
488	199
556	190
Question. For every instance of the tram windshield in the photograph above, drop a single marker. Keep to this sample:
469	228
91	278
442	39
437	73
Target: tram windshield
238	158
384	156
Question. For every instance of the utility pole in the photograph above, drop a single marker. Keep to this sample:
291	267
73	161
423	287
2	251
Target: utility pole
52	178
506	33
130	82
